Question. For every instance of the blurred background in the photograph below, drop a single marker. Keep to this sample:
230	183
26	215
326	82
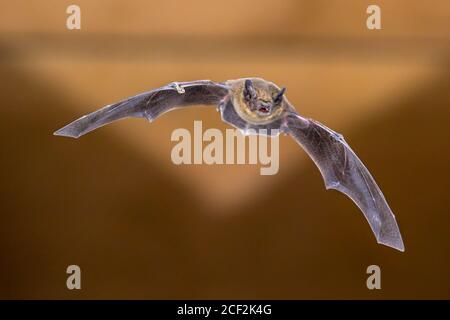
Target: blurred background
141	227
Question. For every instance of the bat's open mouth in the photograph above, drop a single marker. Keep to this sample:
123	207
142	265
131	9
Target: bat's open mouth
263	110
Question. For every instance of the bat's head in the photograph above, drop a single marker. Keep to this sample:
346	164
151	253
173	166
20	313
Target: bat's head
261	98
258	101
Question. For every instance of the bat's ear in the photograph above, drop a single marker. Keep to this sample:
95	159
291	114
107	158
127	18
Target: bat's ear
249	90
277	99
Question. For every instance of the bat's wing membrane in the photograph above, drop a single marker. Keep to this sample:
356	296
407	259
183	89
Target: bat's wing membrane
342	170
149	105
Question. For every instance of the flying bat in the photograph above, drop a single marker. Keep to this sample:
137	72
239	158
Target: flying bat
253	103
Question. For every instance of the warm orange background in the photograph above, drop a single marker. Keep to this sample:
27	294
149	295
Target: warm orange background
140	227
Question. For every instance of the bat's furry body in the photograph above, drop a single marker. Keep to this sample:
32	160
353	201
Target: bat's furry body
254	103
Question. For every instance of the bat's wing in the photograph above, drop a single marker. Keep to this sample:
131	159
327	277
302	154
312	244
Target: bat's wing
149	105
343	171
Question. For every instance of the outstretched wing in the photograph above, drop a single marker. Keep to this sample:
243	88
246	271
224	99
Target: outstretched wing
343	171
149	105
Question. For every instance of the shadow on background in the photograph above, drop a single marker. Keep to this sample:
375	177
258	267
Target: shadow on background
137	234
